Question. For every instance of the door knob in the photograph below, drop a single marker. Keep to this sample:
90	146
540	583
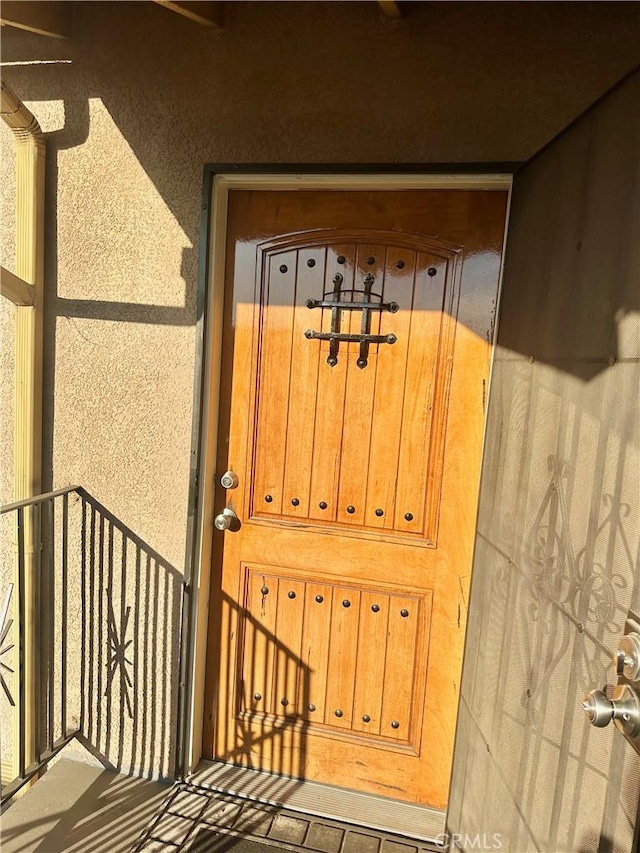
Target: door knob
227	520
623	708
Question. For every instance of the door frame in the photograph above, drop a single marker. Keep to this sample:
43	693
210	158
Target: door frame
219	180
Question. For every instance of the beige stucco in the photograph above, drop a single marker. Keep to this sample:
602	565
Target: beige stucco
139	99
7	311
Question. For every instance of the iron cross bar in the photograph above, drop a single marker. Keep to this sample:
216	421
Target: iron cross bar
366	306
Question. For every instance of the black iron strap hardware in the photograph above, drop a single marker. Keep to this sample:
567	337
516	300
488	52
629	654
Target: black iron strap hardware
391	307
335	302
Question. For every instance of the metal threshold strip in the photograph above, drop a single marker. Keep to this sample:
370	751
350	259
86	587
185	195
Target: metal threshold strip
314	798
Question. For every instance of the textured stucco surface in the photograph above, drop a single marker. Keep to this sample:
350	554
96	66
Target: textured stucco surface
7	259
142	98
139	99
558	535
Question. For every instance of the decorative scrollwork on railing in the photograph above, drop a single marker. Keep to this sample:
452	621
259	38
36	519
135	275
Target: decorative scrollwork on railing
118	660
6	623
573	578
570	587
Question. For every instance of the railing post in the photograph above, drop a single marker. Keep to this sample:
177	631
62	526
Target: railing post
21	706
41	653
63	588
27	585
30	163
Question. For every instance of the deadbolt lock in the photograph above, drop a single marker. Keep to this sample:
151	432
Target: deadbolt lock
627	657
229	480
623	708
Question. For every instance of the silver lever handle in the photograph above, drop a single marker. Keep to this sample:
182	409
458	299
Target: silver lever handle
623	708
226	520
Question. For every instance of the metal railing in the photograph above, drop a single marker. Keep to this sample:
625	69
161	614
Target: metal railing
90	640
34	628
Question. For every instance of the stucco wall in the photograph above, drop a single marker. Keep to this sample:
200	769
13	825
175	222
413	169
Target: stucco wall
143	98
556	564
7	259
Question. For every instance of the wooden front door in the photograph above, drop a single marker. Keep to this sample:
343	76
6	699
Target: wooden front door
357	339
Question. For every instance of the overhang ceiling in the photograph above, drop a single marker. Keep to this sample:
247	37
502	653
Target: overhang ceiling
53	18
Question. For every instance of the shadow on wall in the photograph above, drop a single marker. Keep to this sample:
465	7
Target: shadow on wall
108	636
129	632
74	134
81	809
556	569
256	726
130	628
182	95
555	578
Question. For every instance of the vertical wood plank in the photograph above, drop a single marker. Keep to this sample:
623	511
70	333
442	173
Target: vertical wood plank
327	445
291	601
259	642
275	365
342	657
315	650
399	680
371	662
303	387
359	395
389	390
424	346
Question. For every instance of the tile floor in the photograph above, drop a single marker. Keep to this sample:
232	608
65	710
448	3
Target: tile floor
79	808
198	820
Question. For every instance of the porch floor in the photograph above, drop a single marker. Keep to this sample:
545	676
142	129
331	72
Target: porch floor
79	808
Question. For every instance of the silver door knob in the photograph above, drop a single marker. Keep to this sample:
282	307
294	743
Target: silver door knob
623	708
226	520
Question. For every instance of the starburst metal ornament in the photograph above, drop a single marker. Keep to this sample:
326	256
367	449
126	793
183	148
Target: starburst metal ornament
118	660
6	624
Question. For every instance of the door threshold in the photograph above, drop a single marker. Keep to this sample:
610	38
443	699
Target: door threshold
314	798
